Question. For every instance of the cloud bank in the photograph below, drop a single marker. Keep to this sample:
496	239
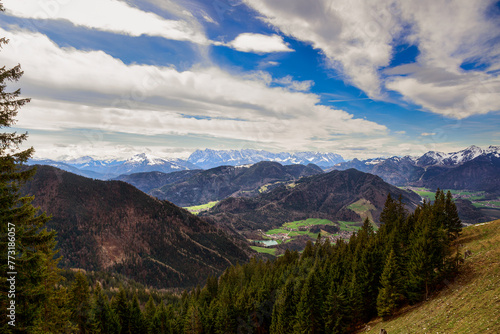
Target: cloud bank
102	93
359	37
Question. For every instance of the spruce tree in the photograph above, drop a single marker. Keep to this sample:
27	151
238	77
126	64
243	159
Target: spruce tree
308	316
453	223
104	320
284	309
137	322
149	313
80	303
121	307
336	313
23	239
389	294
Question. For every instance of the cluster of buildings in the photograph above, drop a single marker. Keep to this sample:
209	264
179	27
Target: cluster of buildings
341	235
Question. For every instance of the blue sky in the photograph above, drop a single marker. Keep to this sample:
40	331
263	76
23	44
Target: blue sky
112	78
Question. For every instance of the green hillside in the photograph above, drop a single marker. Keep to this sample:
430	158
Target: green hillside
469	304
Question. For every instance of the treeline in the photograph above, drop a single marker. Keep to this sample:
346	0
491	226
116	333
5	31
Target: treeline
326	289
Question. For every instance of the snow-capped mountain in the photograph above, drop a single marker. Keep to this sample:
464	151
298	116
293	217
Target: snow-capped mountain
465	169
148	163
107	169
456	158
212	158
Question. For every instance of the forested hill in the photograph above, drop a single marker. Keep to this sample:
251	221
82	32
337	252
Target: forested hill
329	196
112	225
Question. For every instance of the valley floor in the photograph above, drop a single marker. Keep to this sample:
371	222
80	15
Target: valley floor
469	304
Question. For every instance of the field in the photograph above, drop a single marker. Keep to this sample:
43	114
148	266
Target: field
291	229
307	222
478	198
487	204
266	250
469	304
349	226
425	193
199	208
364	209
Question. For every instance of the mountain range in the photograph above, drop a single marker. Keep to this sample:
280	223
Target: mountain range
108	169
206	159
472	168
213	158
113	226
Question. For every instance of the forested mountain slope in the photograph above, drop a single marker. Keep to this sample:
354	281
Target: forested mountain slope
114	226
325	196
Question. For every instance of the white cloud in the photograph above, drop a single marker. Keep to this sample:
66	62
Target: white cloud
107	15
288	81
355	36
427	134
358	39
258	43
72	89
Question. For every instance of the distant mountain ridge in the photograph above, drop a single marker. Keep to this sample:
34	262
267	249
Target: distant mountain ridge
213	158
220	182
109	169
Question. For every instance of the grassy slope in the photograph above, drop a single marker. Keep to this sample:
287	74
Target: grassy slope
470	304
198	208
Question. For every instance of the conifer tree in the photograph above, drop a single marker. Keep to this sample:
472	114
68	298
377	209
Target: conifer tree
137	321
284	310
79	303
104	320
389	294
193	322
55	317
149	312
453	223
308	316
121	307
30	243
160	323
336	311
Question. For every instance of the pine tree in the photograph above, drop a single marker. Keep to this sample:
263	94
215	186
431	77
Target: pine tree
121	307
104	320
137	322
389	295
193	322
284	310
336	311
22	233
149	313
453	223
308	316
79	303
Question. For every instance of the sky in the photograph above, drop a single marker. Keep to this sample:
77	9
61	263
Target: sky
363	79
